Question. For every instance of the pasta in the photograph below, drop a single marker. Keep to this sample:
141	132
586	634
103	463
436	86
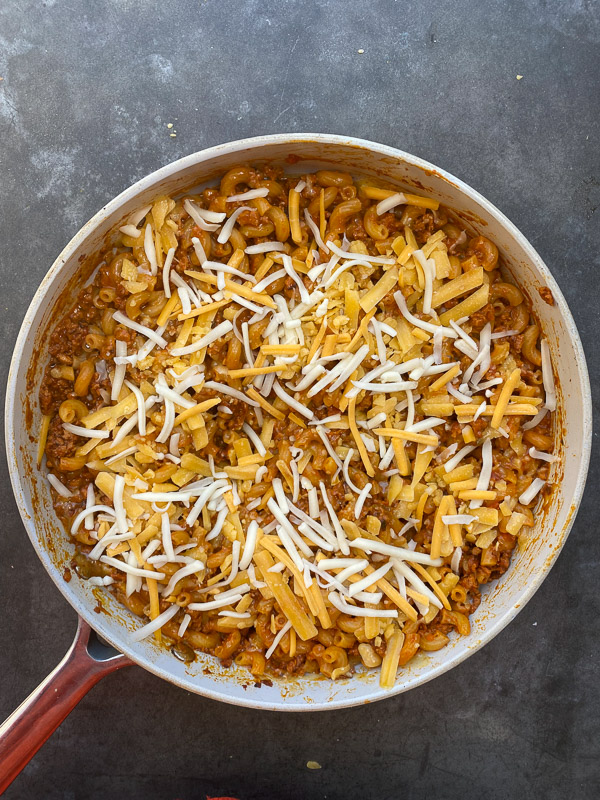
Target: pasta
297	423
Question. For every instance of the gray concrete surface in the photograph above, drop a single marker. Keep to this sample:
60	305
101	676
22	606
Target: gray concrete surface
87	91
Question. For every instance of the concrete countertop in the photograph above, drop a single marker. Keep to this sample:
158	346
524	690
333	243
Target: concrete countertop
87	92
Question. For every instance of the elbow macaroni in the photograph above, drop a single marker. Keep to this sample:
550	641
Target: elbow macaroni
290	545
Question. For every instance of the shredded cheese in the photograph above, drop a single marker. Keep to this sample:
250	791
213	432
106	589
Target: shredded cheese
338	382
58	486
227	228
390	203
155	625
548	376
154	336
483	481
251	194
529	495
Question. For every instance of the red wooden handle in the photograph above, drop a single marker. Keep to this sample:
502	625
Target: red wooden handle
35	720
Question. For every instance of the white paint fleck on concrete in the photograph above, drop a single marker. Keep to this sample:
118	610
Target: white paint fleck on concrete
161	67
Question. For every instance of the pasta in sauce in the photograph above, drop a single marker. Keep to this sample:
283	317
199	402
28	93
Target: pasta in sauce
297	422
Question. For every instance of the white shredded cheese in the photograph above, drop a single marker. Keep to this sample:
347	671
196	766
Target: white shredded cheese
289	268
417	583
184	297
548	376
218	526
260	474
483	481
280	495
539	454
455	562
425	424
184	625
132	421
401	553
235	614
253	580
255	439
224	389
360	500
337	526
325	439
388	203
447	452
122	454
138	215
150	249
343	563
216	333
483	359
455	460
98	581
531	492
264	247
464	398
346	473
86	511
167	542
169	421
201	216
370	580
120	516
123	567
338	602
216	266
535	421
458	519
79	430
135	326
155	625
288	400
90	501
429	273
174	444
120	368
277	639
167	270
188	569
141	407
251	194
275	276
472	346
59	487
286	533
480	410
199	250
438	338
169	394
315	230
503	334
365	257
130	230
249	545
227	228
489	384
419	323
378	388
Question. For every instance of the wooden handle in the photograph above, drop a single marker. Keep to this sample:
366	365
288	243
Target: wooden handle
35	720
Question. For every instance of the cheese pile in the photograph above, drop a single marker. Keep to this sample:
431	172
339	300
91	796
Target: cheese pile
363	353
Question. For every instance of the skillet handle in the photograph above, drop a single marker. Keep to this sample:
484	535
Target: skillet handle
35	720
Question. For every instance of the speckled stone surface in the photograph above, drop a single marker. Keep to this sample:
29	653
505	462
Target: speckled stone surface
87	92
